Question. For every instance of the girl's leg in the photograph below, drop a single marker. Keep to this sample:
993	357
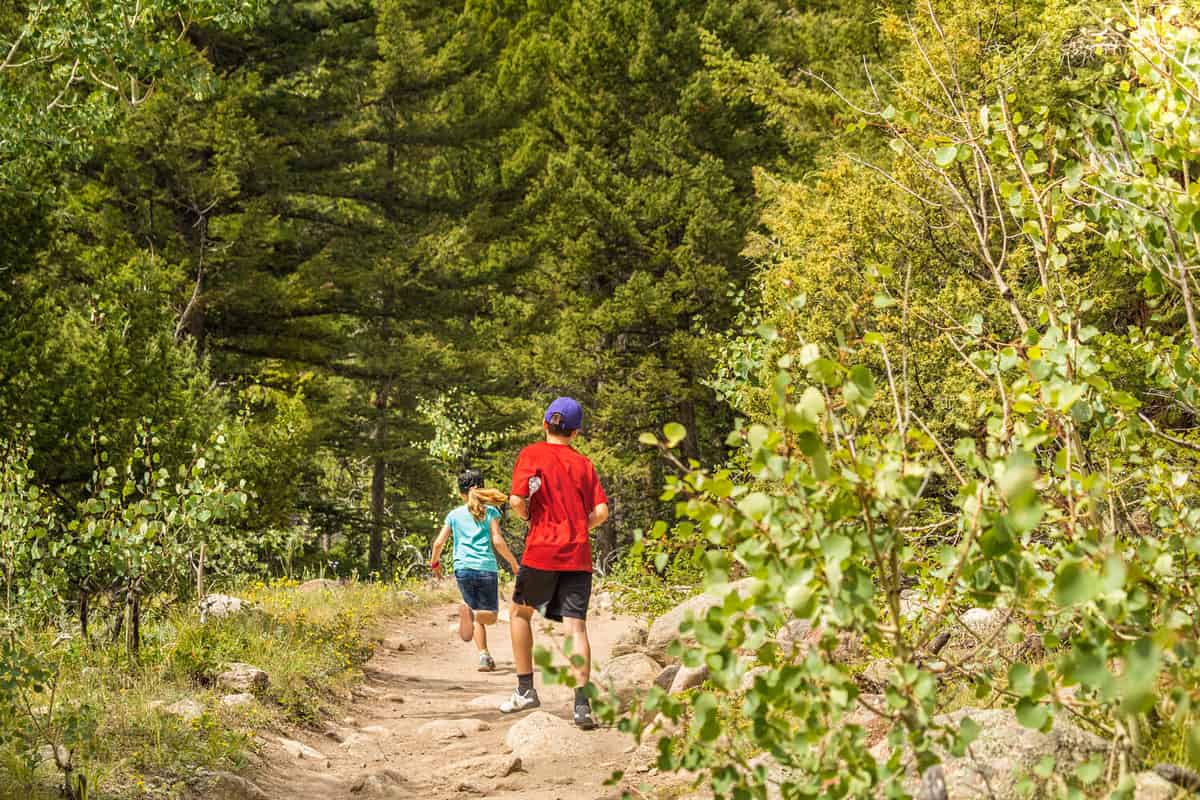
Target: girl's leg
483	618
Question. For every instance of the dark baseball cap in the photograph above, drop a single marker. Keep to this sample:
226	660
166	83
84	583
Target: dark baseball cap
568	410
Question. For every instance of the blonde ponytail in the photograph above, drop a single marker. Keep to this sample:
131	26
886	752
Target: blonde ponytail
478	498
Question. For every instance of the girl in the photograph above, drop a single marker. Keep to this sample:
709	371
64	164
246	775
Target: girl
475	526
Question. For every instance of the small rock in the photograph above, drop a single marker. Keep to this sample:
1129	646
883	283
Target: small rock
227	786
689	678
632	640
441	730
47	752
666	677
875	726
236	700
912	604
603	601
408	597
379	784
299	750
848	647
1151	786
489	766
468	787
875	677
243	678
221	605
187	709
318	585
398	643
793	634
752	673
488	701
394	698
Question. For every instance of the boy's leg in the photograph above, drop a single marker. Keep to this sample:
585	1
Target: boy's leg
520	626
578	635
571	599
535	589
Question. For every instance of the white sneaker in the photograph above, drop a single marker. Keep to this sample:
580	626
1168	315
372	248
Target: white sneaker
520	701
486	662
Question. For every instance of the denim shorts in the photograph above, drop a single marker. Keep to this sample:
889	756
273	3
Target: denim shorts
480	589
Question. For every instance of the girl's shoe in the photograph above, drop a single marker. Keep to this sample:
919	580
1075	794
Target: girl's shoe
466	622
486	662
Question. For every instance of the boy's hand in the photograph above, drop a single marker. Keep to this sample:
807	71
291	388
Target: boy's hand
436	566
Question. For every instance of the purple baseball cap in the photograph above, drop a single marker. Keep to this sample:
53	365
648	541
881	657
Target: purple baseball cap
568	410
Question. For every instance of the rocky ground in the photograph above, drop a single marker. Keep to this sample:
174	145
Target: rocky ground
426	724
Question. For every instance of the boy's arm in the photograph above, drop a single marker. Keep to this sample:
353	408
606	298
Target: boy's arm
435	560
598	516
501	546
518	495
599	512
519	505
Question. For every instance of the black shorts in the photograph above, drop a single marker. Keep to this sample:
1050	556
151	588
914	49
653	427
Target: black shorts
554	594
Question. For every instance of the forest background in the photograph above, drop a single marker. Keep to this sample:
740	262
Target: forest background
274	272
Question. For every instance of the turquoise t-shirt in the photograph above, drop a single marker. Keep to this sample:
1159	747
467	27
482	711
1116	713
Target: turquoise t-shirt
473	539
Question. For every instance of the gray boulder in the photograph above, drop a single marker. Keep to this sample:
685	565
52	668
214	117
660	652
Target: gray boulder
300	751
543	736
237	700
689	678
227	786
217	606
666	677
794	634
187	709
665	629
243	678
1152	786
629	676
1003	752
632	640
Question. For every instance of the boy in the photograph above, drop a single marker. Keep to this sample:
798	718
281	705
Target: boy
557	490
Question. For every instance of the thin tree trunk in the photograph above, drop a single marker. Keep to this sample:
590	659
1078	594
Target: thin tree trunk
200	574
378	481
83	615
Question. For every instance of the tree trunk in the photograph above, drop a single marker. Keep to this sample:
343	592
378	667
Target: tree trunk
83	615
200	574
378	481
133	628
690	446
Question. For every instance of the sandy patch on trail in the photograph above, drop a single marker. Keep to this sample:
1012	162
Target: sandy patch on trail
427	725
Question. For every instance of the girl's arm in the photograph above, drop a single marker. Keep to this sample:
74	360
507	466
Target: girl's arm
501	546
435	560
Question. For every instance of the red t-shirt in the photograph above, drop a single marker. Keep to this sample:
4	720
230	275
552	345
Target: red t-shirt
558	511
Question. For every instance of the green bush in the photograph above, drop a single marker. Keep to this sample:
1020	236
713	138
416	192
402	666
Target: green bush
1049	487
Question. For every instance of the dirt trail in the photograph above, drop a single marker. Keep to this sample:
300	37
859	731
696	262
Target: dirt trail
385	752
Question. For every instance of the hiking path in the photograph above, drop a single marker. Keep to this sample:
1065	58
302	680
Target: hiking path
426	724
